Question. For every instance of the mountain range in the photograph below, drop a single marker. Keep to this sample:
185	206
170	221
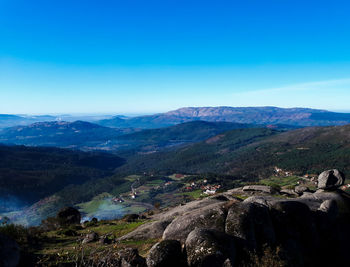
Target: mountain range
250	115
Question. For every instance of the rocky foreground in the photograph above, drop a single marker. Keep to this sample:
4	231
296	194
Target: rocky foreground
264	229
310	230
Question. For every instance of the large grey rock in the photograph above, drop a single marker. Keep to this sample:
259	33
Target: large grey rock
167	253
160	221
152	230
330	207
300	189
296	231
330	179
130	257
182	209
9	252
251	224
313	201
90	237
259	188
211	217
289	192
263	200
208	248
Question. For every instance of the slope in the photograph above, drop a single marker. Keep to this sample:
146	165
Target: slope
29	174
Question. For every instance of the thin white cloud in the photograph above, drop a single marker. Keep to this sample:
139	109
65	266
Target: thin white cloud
328	94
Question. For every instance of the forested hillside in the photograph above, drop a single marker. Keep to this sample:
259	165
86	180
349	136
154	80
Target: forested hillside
29	174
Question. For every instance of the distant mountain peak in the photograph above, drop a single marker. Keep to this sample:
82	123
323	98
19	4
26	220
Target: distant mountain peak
251	115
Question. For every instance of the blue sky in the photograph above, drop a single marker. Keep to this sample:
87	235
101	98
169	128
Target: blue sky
151	56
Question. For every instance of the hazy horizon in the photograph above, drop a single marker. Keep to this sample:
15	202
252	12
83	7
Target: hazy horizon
63	114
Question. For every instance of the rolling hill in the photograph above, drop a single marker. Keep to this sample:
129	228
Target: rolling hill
78	134
88	136
30	174
250	115
151	140
254	153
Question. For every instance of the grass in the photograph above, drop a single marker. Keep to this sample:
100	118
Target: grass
55	248
173	177
281	181
154	183
93	205
116	228
194	194
132	178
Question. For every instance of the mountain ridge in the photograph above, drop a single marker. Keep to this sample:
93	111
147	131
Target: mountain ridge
250	115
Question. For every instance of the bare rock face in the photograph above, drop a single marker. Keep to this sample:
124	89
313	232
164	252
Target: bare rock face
289	192
182	209
91	237
9	252
330	179
330	207
259	188
251	224
301	189
211	217
167	253
207	248
160	222
151	230
68	215
296	231
130	257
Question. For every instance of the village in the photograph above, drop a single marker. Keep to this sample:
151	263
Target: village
173	185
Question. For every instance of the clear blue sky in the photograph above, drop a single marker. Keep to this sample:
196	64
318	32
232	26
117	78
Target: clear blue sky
147	56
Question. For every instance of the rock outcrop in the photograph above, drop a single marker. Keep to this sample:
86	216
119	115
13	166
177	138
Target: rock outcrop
210	217
251	224
167	253
330	179
259	188
207	247
90	237
130	257
310	230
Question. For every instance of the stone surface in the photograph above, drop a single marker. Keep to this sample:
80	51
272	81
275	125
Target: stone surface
263	200
259	188
295	230
251	224
330	207
289	192
68	215
299	189
330	179
188	207
91	237
130	257
211	217
167	253
208	248
9	252
152	230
